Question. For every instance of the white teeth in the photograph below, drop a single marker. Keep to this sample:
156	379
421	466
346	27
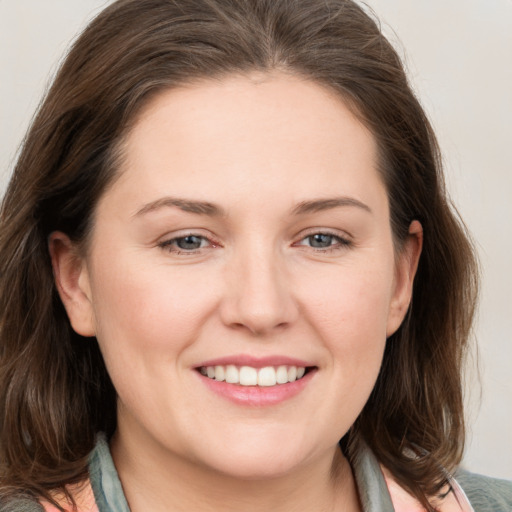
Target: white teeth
220	374
282	375
232	375
267	376
249	376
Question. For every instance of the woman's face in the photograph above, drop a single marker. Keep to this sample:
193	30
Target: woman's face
247	238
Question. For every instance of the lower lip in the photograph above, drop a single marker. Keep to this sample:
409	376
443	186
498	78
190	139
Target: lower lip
258	396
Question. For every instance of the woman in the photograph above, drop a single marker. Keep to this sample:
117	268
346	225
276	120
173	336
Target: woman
230	277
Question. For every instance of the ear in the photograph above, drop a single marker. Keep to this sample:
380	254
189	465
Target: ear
406	266
72	281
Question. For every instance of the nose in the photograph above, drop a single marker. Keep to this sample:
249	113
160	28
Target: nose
259	296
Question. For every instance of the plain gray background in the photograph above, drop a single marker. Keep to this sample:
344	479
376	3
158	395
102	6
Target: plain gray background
459	57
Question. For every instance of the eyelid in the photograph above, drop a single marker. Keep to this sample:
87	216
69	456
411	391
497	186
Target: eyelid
167	241
344	238
344	235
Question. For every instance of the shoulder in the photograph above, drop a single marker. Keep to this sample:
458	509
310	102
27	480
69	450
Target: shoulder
82	494
20	504
484	493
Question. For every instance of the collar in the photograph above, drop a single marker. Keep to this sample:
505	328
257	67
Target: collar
378	490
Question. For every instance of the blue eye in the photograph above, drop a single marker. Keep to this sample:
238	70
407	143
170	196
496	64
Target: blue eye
188	243
321	240
324	241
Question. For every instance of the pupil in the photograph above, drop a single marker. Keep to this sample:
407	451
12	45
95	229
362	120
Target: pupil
321	241
189	242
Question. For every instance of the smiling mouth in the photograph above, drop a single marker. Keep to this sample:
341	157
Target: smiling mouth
267	376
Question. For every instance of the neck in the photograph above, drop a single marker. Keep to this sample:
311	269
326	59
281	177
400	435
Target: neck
171	483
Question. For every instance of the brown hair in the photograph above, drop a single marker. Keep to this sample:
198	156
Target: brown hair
55	393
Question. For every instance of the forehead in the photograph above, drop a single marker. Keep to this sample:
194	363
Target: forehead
275	99
246	133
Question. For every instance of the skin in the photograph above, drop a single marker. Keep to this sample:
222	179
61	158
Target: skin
257	147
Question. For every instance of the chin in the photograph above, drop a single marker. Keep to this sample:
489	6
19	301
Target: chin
261	456
254	467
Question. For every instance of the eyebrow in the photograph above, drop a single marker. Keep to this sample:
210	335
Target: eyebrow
318	205
213	210
186	205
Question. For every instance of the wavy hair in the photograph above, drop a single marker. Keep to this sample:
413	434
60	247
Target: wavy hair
55	393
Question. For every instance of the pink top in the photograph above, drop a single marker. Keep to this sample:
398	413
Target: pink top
455	501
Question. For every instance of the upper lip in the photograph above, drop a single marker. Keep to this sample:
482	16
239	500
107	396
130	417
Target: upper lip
255	362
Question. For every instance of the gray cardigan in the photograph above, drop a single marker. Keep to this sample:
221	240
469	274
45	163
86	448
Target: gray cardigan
485	494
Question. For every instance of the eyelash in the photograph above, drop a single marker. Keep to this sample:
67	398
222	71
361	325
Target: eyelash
171	244
341	243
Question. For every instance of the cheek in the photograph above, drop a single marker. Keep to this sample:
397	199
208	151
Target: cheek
349	309
350	302
146	312
134	294
146	318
